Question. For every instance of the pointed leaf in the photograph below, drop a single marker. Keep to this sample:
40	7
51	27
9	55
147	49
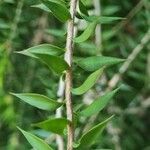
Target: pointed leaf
90	136
43	49
48	54
82	8
101	19
35	141
56	125
42	7
88	83
98	104
108	20
57	64
39	101
87	33
95	62
58	9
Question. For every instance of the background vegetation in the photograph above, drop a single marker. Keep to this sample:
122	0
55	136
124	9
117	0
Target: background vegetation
23	26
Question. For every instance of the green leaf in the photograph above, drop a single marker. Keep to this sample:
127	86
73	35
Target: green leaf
56	32
43	49
57	64
35	141
48	54
108	20
58	8
42	7
101	19
56	125
88	83
82	8
90	136
39	101
95	62
87	33
98	104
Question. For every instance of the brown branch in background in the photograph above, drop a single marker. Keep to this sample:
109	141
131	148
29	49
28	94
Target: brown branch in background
60	94
14	25
116	78
37	39
68	81
130	15
113	82
98	32
39	33
90	95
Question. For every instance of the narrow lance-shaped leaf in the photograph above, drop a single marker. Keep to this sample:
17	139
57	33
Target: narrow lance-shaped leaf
39	101
35	141
101	19
48	54
42	7
90	136
58	9
82	8
95	62
108	20
86	33
98	104
88	83
43	49
57	64
56	125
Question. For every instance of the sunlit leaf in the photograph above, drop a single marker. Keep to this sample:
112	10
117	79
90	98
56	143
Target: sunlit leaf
98	104
88	83
96	62
88	139
48	54
58	8
108	20
82	8
42	7
56	125
39	101
43	49
35	141
57	64
101	19
86	33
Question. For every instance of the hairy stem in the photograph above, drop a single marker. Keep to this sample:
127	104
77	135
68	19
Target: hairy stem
68	81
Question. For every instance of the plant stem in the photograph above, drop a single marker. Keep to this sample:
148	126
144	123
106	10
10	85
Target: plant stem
98	32
60	94
68	81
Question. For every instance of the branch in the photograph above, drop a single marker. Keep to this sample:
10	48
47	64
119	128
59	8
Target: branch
115	79
98	32
14	25
60	94
68	81
130	15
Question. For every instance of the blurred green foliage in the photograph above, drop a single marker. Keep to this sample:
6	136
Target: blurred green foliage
22	26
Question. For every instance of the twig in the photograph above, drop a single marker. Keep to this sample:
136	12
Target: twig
68	81
115	79
37	39
60	94
130	15
98	32
14	25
